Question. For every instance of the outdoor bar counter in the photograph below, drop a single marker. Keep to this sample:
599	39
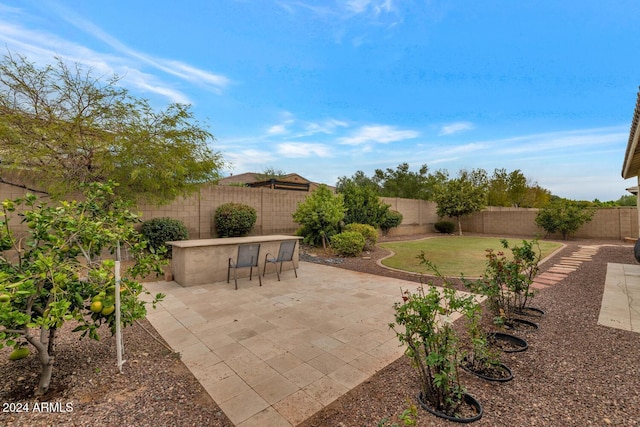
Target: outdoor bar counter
196	262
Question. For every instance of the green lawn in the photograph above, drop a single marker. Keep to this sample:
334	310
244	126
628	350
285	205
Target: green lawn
453	255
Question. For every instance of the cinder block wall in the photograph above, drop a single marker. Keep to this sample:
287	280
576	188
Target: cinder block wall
607	223
275	207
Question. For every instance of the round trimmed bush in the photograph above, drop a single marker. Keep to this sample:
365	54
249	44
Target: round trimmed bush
348	243
389	220
234	219
369	233
159	231
446	227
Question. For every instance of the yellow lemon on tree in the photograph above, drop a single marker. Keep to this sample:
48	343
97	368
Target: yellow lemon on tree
19	353
5	297
108	310
96	306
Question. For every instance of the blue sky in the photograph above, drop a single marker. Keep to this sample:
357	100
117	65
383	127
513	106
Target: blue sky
327	88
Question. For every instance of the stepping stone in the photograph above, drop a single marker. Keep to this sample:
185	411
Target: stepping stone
537	285
571	261
545	281
560	270
558	276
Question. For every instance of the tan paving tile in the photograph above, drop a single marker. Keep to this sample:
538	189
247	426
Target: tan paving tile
305	351
227	388
267	417
243	406
367	364
326	363
298	407
275	388
198	353
348	376
325	390
346	352
303	375
262	347
284	362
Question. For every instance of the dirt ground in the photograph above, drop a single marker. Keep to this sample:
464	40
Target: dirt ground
575	372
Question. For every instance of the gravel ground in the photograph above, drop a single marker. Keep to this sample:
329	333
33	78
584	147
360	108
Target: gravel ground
575	373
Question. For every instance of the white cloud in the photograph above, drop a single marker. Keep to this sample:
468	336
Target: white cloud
277	130
554	141
301	149
327	127
379	133
41	47
452	128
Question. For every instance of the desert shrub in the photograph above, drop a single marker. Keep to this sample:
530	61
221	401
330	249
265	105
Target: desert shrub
159	231
234	219
348	243
369	233
389	220
446	227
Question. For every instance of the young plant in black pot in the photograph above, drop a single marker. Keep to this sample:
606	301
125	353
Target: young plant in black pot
424	323
482	359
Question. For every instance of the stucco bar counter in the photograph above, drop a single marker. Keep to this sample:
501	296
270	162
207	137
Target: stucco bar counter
197	262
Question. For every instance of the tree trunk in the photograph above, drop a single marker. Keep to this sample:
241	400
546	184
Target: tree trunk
459	227
46	354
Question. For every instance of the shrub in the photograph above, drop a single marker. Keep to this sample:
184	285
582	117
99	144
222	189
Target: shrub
348	243
369	233
389	220
319	216
446	227
563	216
159	231
423	322
234	219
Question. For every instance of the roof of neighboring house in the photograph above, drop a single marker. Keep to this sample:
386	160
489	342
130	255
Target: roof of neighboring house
631	165
291	181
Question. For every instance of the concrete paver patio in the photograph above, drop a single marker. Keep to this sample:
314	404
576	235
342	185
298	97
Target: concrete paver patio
274	355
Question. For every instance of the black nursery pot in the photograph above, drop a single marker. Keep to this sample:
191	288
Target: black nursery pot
484	376
523	325
517	344
469	400
529	312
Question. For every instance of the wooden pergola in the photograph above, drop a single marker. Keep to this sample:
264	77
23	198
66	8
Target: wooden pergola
631	165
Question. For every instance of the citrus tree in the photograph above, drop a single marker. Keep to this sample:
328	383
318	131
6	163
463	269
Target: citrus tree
54	273
320	216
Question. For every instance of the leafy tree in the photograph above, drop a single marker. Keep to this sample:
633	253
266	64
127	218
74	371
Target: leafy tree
462	196
404	183
60	126
628	200
537	197
563	216
53	275
320	216
362	202
360	179
514	189
270	173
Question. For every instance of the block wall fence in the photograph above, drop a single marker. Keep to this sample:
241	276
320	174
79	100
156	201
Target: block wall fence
275	207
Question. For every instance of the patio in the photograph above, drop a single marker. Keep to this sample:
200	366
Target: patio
274	355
